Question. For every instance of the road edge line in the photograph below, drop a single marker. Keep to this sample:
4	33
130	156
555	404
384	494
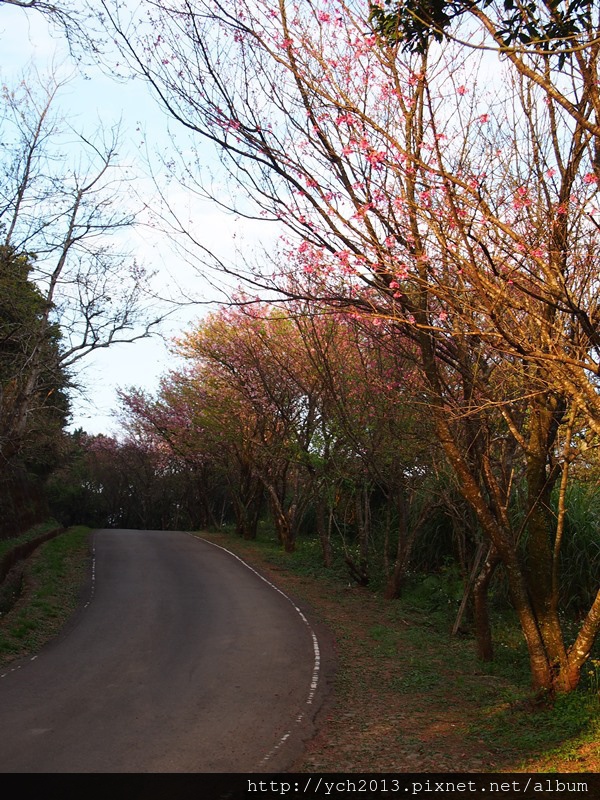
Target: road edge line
315	642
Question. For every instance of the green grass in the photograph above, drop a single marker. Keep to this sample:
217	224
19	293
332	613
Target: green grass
38	530
405	651
410	652
556	733
51	584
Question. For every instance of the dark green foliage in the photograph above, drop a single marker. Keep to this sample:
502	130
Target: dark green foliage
104	483
580	551
440	591
414	24
553	26
437	544
33	399
71	493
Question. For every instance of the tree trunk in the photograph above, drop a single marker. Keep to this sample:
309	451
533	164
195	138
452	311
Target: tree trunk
403	550
360	570
541	671
247	496
283	521
483	628
323	521
541	528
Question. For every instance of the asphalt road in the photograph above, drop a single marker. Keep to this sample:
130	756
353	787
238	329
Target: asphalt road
182	660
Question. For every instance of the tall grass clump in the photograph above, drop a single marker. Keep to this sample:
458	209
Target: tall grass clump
580	551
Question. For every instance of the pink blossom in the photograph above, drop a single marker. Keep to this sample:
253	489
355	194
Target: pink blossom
590	177
522	199
375	157
484	118
462	90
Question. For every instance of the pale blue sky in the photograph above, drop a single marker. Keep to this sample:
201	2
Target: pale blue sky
27	39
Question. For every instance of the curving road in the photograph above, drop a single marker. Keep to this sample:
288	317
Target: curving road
184	660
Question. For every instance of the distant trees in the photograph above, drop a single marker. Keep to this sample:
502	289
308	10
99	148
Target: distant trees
259	360
307	415
103	482
463	216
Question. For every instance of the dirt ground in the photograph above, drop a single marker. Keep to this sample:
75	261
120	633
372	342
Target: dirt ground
383	717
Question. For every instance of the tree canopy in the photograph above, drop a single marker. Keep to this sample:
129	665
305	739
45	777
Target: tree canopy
34	403
548	27
457	212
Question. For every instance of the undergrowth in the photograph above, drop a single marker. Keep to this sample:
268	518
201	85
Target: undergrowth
51	584
399	669
27	536
415	655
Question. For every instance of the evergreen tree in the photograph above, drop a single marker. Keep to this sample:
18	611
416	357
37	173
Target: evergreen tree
33	401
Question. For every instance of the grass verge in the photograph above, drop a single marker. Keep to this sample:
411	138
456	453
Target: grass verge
33	533
407	696
48	586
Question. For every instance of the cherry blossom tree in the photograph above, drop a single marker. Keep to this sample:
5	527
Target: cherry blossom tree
195	418
463	215
259	357
378	437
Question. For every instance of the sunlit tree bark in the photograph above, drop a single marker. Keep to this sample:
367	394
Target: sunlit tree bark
462	216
